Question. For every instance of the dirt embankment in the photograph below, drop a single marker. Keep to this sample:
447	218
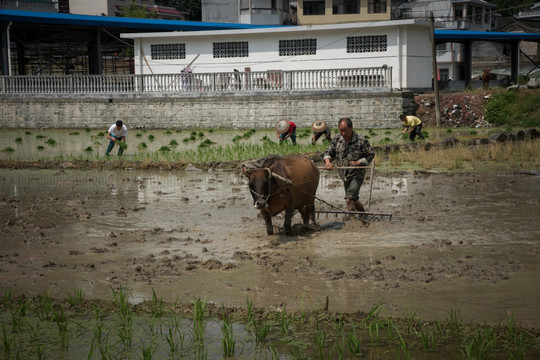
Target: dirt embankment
457	109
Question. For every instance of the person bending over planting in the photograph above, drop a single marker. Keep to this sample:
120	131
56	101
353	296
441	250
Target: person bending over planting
117	133
413	126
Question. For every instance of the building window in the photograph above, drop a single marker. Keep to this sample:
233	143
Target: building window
231	49
376	6
167	51
345	7
313	7
370	43
297	47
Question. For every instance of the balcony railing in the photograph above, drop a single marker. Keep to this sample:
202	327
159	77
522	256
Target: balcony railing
371	79
33	5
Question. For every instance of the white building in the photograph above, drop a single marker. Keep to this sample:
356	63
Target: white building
404	45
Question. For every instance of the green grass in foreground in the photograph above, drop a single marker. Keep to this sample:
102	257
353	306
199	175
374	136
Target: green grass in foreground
43	327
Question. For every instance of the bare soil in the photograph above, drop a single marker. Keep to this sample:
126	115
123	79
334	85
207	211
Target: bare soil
464	241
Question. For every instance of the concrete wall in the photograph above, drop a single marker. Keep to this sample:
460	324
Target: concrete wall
242	112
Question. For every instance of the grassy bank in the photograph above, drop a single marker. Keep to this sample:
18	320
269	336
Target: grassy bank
73	327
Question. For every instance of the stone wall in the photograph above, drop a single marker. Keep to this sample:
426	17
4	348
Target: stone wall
367	110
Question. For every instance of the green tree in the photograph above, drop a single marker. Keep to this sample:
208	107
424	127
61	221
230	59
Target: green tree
136	11
512	7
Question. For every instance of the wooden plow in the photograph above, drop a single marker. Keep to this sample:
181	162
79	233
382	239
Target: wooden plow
364	216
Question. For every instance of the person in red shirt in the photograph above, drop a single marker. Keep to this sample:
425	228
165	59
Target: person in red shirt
285	131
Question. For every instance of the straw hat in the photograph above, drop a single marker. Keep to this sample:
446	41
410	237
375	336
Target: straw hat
319	126
282	126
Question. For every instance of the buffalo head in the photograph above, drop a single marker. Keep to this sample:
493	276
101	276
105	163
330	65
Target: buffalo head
260	181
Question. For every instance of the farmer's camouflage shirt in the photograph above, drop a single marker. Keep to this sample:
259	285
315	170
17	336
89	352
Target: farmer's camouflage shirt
340	154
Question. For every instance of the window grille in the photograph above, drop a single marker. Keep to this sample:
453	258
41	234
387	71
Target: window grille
167	51
297	47
370	43
231	49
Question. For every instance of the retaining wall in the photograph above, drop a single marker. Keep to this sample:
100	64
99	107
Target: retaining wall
367	110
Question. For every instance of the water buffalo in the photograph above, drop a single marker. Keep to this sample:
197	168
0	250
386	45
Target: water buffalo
486	76
288	184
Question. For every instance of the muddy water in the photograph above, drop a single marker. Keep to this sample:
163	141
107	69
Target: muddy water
469	242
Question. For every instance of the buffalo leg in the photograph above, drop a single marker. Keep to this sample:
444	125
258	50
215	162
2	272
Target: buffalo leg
288	218
268	221
313	215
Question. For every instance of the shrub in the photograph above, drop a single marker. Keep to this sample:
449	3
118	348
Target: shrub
497	111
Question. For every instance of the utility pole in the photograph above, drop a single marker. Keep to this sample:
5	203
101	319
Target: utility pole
434	65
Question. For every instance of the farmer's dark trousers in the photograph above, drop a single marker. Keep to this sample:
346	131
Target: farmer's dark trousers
111	145
417	131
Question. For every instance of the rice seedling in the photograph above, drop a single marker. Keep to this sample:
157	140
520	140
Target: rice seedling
142	146
477	346
87	129
320	340
387	132
354	343
157	308
193	137
236	138
9	149
427	339
151	137
262	329
24	305
411	322
148	349
50	142
174	339
228	342
199	307
200	134
138	135
45	306
249	309
40	136
7	299
173	143
101	133
97	143
88	149
426	134
211	130
168	132
206	143
284	320
61	320
7	340
375	336
455	322
164	148
74	133
120	299
367	137
386	140
122	145
404	345
193	133
373	312
18	140
28	133
473	132
510	325
449	131
185	140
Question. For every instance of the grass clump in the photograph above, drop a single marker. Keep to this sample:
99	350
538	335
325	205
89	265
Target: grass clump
514	108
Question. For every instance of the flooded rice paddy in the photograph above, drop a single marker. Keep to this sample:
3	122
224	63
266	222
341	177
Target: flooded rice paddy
462	241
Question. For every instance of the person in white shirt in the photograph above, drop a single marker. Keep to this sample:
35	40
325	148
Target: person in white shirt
117	132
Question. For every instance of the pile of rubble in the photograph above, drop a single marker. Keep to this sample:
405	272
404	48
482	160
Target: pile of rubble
457	109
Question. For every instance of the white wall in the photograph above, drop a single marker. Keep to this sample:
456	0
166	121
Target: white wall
85	7
414	54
